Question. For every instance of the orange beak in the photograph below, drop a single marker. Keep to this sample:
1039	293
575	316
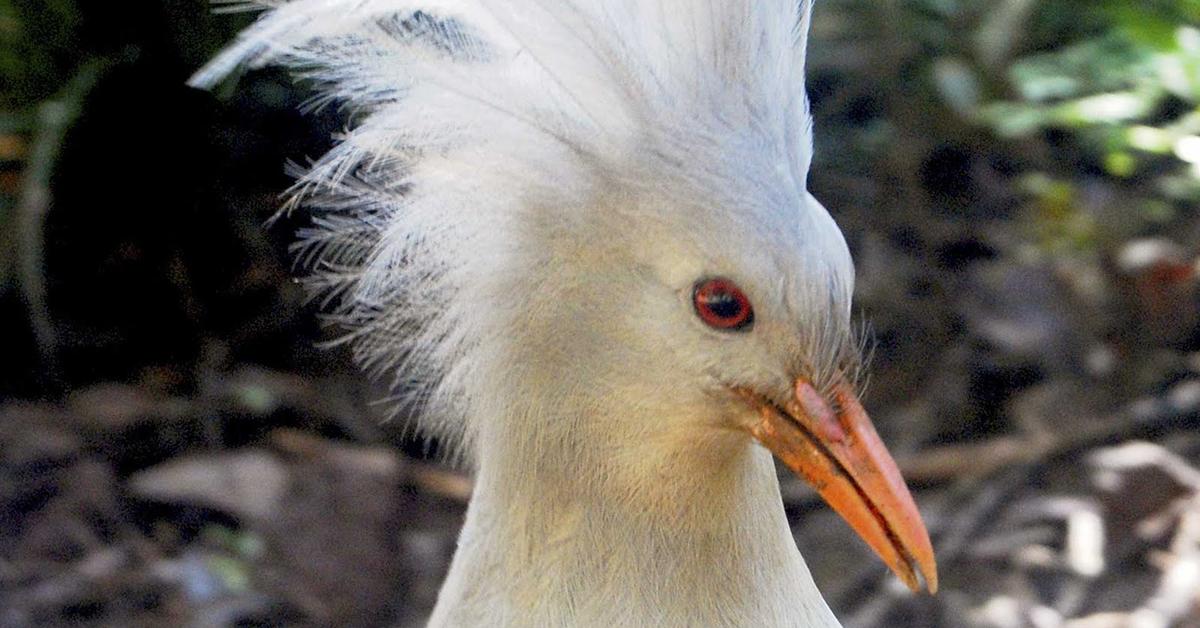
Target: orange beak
841	456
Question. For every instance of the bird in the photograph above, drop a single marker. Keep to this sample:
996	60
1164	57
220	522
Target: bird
575	239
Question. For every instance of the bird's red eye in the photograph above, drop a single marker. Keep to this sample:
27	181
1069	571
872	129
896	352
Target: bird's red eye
722	305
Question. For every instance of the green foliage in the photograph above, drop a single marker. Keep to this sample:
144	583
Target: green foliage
235	551
38	48
1128	96
1082	95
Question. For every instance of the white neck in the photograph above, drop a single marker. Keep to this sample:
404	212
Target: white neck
589	539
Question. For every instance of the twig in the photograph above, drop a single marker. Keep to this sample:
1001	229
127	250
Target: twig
1178	405
988	499
54	117
11	125
1001	31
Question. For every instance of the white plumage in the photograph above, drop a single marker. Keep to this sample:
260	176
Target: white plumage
513	227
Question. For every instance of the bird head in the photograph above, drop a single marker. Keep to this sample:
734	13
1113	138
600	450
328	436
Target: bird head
592	218
702	317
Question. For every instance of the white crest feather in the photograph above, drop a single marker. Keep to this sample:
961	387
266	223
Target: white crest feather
467	114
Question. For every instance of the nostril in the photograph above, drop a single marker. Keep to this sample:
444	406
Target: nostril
814	405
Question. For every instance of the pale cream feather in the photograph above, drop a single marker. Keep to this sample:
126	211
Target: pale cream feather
512	227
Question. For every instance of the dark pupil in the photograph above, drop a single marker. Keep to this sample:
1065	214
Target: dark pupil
723	305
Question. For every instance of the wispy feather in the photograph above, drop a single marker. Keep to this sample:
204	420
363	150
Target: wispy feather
471	114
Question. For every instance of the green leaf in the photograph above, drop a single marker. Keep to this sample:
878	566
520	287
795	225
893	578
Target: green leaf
1106	108
1120	164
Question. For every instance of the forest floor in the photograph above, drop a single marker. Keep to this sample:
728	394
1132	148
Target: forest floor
269	501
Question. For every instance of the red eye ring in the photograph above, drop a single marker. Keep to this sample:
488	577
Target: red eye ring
721	304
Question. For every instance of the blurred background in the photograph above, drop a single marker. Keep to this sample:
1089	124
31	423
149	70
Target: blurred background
1019	182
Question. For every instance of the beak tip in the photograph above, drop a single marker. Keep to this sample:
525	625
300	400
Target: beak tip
931	578
927	581
921	561
918	574
924	572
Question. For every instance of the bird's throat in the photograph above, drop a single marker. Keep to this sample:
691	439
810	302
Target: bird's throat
679	539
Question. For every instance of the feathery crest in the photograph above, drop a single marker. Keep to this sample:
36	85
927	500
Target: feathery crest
468	114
